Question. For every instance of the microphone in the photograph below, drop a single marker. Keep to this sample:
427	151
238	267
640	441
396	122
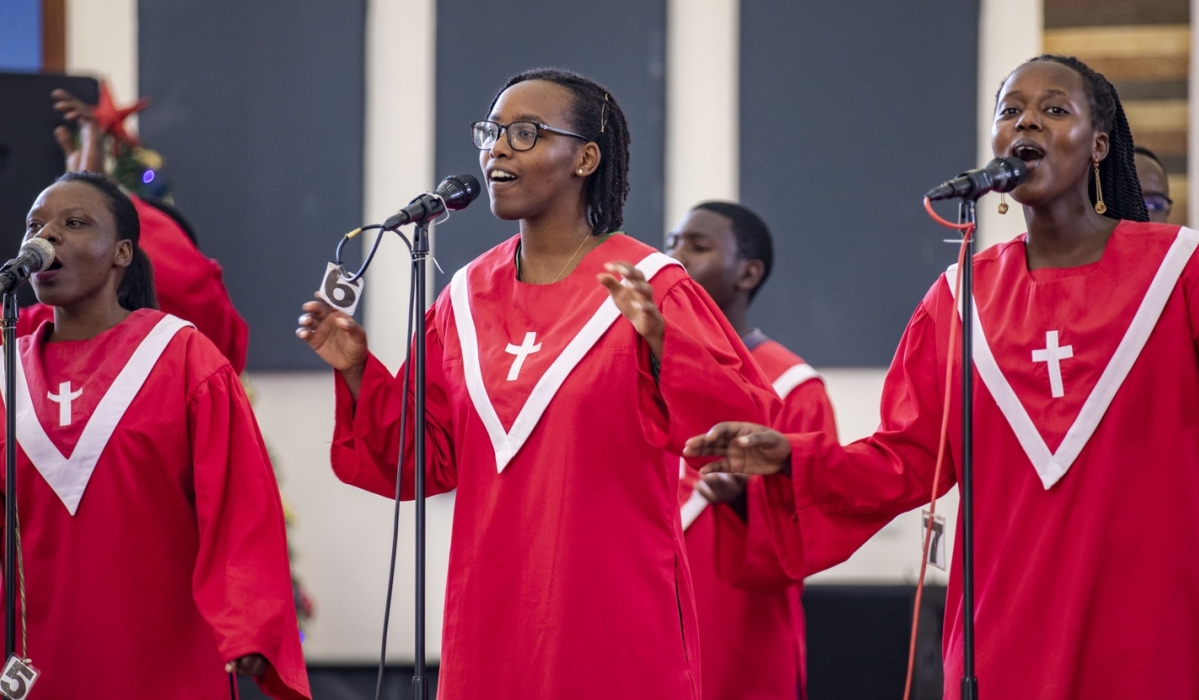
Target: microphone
1000	175
455	192
35	255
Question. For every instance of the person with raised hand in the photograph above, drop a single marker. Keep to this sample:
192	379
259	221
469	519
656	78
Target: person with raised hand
564	365
1086	420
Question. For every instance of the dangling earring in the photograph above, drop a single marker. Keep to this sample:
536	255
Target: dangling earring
1002	203
1100	207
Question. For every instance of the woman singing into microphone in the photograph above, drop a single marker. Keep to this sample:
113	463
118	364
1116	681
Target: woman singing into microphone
1086	420
155	559
563	366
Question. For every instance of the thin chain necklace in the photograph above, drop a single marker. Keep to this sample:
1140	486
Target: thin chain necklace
560	272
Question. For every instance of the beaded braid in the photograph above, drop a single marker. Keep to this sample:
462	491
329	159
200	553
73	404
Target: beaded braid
597	113
1117	172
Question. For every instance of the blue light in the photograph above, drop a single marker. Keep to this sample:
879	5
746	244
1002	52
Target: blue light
148	177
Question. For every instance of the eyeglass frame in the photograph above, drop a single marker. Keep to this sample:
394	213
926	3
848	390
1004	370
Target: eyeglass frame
504	129
1157	195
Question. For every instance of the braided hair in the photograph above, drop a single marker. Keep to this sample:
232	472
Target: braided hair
1117	172
752	234
136	290
595	114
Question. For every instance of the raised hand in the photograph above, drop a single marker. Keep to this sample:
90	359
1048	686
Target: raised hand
634	297
744	448
336	338
88	152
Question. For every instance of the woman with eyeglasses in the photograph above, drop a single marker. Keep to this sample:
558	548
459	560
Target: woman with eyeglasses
564	365
1086	421
1155	186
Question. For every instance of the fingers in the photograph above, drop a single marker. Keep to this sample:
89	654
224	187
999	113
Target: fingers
713	443
248	665
66	140
71	107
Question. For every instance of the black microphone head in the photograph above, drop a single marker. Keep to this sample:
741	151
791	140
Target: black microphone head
458	191
1009	173
41	253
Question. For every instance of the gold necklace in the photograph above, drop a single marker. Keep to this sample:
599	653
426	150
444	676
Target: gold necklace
572	258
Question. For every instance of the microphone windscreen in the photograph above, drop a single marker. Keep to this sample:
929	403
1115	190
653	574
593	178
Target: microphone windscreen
458	191
42	250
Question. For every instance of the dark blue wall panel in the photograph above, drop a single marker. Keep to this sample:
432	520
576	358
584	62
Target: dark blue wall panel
258	110
480	43
850	111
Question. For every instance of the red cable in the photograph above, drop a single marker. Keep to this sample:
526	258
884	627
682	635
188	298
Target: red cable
968	232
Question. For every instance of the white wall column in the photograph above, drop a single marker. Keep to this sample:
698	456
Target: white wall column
102	42
702	100
1009	33
398	162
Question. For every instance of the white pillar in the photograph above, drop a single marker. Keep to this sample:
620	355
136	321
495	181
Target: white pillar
398	162
101	41
1009	33
702	98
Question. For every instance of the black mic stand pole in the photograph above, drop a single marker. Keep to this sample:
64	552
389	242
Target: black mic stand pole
9	324
966	215
420	254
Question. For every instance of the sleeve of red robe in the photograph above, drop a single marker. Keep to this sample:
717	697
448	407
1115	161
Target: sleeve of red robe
242	580
707	375
837	496
190	285
745	550
366	435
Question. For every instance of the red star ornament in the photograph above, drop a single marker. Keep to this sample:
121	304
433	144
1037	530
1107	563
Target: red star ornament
111	120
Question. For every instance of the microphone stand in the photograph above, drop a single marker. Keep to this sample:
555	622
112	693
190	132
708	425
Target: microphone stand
966	215
420	254
9	325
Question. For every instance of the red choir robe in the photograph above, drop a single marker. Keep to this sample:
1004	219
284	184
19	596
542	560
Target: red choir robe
751	637
156	551
1086	467
567	572
189	286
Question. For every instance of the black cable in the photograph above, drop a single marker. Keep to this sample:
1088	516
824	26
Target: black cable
370	255
395	525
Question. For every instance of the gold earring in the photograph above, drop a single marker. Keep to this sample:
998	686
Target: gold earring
1002	203
1100	207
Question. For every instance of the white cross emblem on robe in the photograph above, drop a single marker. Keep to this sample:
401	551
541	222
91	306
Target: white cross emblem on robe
63	398
528	347
1053	354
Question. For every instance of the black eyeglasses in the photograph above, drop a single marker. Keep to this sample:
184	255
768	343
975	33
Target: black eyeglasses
521	135
1158	203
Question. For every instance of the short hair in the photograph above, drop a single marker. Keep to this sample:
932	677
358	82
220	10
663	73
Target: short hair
1141	150
597	116
753	236
136	290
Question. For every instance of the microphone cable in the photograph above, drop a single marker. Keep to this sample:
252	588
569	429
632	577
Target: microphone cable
967	232
395	521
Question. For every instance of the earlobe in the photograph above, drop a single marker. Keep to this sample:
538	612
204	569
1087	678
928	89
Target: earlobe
589	160
751	274
124	256
1102	146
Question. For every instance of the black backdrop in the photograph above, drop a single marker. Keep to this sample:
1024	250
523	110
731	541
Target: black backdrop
258	110
850	111
480	43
